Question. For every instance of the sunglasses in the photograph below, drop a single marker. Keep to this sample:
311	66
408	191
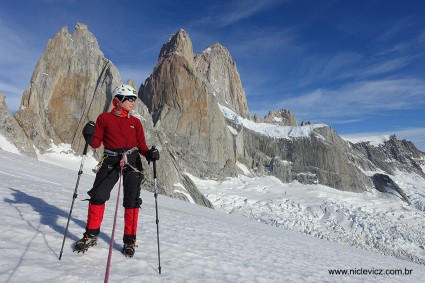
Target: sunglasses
130	99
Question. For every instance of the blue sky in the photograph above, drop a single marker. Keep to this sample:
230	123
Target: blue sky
358	66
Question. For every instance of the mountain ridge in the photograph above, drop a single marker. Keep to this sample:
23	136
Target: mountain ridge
181	111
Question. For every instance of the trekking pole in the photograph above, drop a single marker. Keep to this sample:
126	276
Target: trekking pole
74	197
111	243
157	220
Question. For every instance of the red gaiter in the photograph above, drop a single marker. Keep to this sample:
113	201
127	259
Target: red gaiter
131	217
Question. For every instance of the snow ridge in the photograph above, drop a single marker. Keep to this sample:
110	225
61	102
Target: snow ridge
274	131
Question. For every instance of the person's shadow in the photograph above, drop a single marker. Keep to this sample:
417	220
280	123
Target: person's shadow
49	216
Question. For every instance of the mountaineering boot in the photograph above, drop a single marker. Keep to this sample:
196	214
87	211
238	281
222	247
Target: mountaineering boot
85	243
129	245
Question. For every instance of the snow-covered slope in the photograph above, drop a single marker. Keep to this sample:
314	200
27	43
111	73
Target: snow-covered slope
270	130
371	221
197	244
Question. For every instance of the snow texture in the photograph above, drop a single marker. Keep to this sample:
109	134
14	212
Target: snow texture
270	130
375	221
372	140
197	244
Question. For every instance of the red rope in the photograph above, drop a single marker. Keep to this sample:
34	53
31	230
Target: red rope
108	264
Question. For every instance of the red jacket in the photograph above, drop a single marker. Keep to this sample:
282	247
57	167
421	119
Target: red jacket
119	132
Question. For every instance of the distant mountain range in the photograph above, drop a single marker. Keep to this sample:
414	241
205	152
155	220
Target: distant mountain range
195	111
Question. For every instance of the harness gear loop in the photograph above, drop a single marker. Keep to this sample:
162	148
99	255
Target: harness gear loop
96	169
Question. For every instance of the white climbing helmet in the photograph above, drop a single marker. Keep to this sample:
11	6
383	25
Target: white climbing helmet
123	91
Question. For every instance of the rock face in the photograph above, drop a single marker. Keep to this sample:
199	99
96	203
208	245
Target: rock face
183	94
392	155
70	85
385	184
186	112
218	71
9	129
320	158
283	117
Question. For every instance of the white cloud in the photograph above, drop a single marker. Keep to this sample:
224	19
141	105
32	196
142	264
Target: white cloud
386	67
397	27
261	43
358	99
237	10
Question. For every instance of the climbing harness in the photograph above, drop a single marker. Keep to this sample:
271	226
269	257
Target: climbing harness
123	161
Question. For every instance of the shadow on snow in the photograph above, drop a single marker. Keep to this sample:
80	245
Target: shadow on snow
50	214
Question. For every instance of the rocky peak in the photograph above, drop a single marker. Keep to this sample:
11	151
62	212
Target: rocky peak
11	131
186	113
71	84
173	70
283	117
400	148
179	44
80	39
390	156
219	72
256	119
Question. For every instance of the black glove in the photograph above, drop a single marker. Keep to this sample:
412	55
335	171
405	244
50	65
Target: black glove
88	132
152	154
